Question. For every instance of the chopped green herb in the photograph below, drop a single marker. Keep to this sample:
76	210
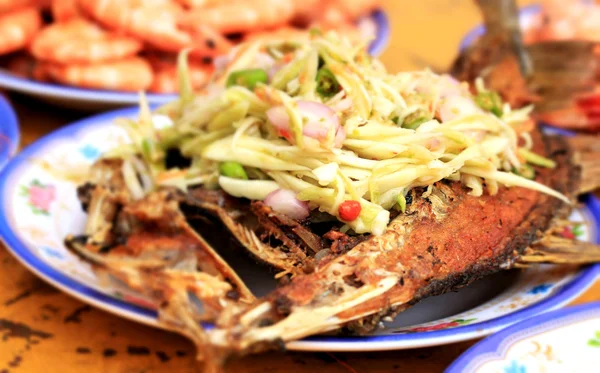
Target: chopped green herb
579	231
526	171
233	169
536	159
327	84
247	78
402	202
414	124
321	63
315	32
490	101
147	148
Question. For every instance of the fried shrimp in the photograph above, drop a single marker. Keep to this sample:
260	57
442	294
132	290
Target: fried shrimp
64	10
291	34
332	14
207	42
165	74
199	3
21	65
154	22
130	74
80	41
242	16
353	9
298	35
17	28
10	5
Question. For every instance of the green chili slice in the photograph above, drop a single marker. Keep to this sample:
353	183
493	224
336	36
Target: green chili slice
490	101
327	84
233	169
414	124
247	78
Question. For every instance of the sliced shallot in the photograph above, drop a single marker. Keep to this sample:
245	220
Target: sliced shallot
319	119
284	201
342	105
454	107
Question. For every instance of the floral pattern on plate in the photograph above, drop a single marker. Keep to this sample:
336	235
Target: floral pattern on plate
441	326
561	341
595	341
39	196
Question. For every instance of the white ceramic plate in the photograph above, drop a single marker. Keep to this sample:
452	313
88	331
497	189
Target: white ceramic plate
566	340
40	208
96	100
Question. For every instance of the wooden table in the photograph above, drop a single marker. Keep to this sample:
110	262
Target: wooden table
44	330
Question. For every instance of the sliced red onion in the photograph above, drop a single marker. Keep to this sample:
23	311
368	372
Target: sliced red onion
263	61
433	143
221	62
274	67
450	87
342	105
284	201
340	136
456	106
445	85
319	119
273	70
280	120
367	28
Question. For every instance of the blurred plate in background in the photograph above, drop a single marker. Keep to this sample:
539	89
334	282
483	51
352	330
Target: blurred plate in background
97	100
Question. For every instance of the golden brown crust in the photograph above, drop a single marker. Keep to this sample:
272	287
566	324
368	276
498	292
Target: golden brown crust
437	246
483	235
445	240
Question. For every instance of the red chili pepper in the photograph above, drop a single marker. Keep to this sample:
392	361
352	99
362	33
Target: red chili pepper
590	106
288	57
567	233
349	210
260	93
285	134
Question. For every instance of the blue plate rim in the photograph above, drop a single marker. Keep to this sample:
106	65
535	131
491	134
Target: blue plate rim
493	344
29	86
580	283
10	129
382	37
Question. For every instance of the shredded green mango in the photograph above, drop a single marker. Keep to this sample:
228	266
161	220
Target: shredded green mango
360	134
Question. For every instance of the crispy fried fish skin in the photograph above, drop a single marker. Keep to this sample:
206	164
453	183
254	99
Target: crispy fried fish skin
285	244
245	226
153	250
443	242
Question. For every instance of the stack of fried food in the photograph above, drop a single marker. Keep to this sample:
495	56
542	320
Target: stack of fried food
131	45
